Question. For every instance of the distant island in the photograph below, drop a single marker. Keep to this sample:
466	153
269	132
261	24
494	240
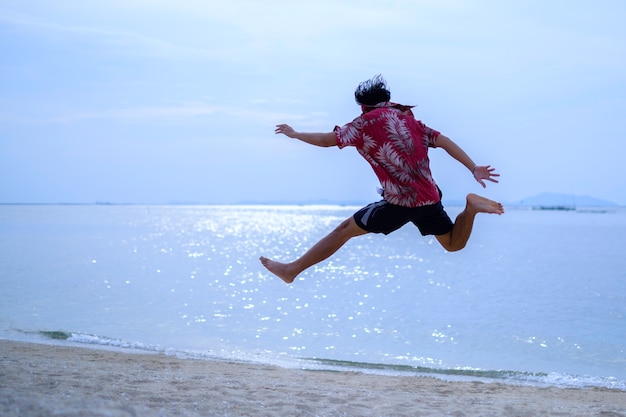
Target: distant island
557	201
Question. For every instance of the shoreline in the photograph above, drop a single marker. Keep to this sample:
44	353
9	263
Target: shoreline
40	380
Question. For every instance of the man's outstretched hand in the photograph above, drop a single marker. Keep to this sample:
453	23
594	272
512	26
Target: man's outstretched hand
285	130
482	173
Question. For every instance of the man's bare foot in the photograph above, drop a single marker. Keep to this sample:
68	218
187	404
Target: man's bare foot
479	204
279	269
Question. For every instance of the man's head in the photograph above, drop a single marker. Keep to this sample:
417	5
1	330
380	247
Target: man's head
372	91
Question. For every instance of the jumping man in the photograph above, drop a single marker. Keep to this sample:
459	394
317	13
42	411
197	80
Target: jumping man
396	146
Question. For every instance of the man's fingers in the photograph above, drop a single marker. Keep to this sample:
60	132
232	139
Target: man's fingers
283	128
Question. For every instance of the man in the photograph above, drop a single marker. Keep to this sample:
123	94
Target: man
396	146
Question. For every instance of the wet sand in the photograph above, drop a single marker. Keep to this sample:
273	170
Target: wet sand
45	380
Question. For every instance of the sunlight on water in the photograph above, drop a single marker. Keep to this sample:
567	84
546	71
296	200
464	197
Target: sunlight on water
537	292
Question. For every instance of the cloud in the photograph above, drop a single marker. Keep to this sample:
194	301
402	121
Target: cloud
114	38
254	113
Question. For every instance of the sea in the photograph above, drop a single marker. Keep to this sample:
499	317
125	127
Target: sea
537	297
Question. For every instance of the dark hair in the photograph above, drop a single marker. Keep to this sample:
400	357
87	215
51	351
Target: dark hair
372	91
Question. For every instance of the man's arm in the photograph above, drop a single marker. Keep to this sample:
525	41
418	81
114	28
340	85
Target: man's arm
480	173
317	139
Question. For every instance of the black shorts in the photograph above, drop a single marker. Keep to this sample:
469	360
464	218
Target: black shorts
384	217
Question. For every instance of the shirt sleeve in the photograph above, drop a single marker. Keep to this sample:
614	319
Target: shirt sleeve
349	134
430	134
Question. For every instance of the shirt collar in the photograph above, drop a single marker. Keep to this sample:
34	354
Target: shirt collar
387	104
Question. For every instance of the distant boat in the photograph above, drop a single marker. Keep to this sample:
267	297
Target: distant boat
557	207
595	210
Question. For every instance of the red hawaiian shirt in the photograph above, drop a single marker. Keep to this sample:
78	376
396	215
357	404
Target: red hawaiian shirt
396	146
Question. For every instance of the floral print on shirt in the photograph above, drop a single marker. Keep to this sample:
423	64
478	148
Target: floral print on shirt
396	146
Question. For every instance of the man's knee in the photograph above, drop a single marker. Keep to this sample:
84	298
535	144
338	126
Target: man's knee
455	248
349	228
449	244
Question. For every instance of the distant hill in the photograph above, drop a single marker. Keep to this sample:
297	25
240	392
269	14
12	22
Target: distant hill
564	200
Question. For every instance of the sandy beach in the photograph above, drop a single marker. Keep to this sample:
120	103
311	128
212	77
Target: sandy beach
45	380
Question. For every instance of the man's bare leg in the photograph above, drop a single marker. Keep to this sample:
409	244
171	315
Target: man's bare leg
463	224
320	251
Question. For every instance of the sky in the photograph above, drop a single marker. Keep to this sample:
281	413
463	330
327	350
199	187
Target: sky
161	101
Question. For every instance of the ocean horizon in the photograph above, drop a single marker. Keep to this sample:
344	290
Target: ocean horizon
545	199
